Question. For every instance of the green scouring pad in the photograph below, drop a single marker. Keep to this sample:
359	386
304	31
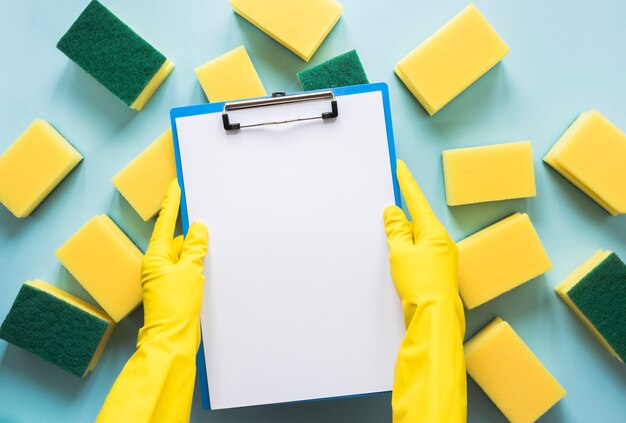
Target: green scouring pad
596	292
115	55
57	327
340	71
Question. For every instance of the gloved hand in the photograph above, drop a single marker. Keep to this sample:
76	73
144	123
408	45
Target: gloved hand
429	378
156	385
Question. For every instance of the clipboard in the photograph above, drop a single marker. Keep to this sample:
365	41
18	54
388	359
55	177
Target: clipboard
298	303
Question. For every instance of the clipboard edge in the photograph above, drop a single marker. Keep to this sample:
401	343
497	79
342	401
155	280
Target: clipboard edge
201	376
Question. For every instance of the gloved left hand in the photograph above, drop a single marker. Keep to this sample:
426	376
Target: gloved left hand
156	385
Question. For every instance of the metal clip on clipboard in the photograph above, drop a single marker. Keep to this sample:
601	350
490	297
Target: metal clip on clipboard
279	98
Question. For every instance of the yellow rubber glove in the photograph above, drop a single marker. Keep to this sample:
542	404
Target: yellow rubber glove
156	385
429	379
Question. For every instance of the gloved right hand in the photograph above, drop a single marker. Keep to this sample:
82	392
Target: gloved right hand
429	378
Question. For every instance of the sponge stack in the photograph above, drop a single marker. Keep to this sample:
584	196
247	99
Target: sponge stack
33	166
144	180
300	25
230	76
115	55
107	264
510	374
57	327
451	59
596	292
500	258
489	173
591	154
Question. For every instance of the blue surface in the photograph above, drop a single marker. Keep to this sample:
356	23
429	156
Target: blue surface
219	107
566	57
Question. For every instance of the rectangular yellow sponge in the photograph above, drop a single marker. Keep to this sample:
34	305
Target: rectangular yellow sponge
500	258
510	374
144	180
230	76
591	154
33	166
107	264
451	59
300	25
489	173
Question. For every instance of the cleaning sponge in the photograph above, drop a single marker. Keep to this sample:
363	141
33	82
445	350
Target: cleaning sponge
596	292
301	25
229	77
500	258
33	166
510	374
489	173
144	180
591	154
57	327
451	59
340	71
115	55
107	264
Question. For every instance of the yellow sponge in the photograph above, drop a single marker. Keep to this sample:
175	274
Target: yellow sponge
500	258
107	264
230	77
489	173
510	374
144	180
33	166
591	154
301	25
451	59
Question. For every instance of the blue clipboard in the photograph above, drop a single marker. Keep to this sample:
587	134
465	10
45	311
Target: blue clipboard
219	108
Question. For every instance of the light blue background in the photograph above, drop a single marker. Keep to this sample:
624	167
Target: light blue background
566	57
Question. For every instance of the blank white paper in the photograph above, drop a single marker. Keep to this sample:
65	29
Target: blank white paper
298	302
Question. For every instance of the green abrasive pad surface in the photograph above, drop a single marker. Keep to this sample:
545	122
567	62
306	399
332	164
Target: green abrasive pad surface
601	296
340	71
111	52
53	329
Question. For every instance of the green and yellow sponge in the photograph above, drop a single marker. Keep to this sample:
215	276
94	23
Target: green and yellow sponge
340	71
596	292
110	51
57	327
